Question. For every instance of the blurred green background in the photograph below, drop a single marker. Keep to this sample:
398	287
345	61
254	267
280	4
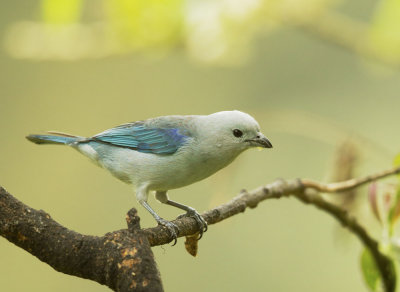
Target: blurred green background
308	94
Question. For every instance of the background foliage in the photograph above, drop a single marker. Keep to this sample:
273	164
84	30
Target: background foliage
313	72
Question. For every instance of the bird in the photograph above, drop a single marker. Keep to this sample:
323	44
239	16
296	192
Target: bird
168	152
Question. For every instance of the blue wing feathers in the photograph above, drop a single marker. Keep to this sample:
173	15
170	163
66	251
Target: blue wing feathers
145	139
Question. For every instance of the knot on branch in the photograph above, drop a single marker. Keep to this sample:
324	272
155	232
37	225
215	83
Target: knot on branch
133	220
277	188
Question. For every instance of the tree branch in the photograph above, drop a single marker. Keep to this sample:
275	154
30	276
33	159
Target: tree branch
123	260
304	190
383	262
187	226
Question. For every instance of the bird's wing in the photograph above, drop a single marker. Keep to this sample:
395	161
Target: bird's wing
143	138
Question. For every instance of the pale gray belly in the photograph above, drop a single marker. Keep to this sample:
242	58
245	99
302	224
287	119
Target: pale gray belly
158	172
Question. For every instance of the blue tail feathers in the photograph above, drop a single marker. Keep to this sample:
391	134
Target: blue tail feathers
51	139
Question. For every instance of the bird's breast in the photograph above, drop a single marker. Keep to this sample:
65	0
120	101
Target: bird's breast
206	162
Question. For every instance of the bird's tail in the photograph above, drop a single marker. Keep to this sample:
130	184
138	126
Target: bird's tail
57	138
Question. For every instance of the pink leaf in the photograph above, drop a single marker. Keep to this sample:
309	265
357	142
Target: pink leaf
372	197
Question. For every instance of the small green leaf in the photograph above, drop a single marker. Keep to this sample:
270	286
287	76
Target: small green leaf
396	161
370	272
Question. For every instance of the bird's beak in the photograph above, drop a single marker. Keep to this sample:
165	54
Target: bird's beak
260	141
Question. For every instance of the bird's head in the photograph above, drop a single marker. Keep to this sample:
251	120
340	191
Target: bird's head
235	130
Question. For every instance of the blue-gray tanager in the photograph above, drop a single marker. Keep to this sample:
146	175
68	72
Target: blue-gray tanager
167	152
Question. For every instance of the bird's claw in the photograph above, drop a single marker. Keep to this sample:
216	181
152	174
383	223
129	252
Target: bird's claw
200	221
171	228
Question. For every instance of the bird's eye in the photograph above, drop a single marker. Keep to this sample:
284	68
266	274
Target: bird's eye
237	133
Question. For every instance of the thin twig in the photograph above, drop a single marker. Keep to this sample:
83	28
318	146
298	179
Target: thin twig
348	184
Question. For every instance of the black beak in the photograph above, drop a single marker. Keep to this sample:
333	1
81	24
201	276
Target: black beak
260	141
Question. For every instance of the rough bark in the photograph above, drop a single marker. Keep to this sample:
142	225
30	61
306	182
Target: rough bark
122	259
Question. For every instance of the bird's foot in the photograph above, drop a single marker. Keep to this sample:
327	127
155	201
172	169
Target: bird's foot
199	219
171	228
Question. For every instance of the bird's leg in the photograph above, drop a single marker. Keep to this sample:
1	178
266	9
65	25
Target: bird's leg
161	221
163	198
192	213
141	195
